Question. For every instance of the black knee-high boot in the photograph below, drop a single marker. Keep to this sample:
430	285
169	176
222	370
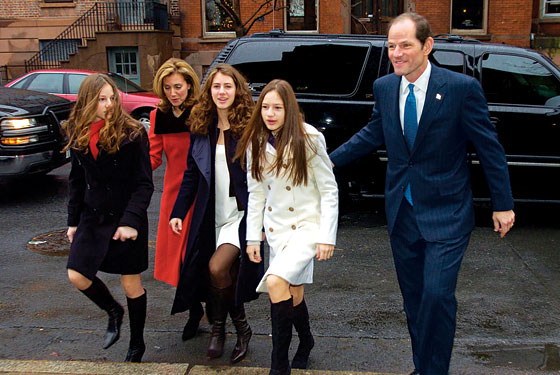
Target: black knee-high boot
220	301
100	295
306	341
243	330
137	317
195	314
282	317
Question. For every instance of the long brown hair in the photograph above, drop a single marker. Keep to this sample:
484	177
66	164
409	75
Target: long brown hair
291	140
205	109
174	65
119	126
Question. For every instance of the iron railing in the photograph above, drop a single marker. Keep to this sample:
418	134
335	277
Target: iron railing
125	15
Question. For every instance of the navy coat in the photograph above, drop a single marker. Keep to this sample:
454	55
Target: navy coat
198	187
455	112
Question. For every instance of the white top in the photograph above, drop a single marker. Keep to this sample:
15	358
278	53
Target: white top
420	89
227	215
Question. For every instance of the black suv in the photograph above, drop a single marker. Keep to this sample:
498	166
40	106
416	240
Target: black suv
31	139
333	75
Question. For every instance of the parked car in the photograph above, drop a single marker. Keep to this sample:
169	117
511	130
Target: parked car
333	75
65	83
31	139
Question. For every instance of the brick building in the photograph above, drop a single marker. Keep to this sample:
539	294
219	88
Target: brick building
496	21
200	28
204	32
546	28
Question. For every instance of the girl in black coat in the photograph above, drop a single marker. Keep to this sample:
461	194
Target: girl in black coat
110	189
217	186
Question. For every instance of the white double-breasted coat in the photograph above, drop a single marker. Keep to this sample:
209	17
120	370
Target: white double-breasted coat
295	217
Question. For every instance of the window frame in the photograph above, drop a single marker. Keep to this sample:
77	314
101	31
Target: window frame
543	9
482	31
317	19
213	34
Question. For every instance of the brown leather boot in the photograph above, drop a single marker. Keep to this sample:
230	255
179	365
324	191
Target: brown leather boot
244	333
221	300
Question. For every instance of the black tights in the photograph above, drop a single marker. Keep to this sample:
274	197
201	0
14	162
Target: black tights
224	266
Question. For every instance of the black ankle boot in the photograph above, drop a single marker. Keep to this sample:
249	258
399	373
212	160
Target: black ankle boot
195	314
306	341
220	300
282	317
137	316
243	330
100	295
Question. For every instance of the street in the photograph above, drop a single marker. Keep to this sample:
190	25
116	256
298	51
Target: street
508	295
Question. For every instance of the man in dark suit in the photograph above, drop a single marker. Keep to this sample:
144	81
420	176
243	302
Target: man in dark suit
425	116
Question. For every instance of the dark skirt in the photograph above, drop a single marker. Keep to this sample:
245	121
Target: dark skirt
93	248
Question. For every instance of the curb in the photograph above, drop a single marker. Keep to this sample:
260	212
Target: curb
36	367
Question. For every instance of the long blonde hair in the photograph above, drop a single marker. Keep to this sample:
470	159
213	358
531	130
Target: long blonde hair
291	140
205	109
174	65
119	126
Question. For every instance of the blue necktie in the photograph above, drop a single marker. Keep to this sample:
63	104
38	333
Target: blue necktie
410	128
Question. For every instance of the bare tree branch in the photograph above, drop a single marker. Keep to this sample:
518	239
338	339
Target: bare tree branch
230	12
254	15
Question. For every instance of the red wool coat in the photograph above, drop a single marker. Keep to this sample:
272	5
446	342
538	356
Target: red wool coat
170	247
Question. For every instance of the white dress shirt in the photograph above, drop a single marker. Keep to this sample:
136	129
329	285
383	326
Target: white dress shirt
420	89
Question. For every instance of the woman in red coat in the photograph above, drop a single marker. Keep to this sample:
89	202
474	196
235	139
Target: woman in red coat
177	85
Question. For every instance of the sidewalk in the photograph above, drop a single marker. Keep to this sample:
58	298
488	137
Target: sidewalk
15	367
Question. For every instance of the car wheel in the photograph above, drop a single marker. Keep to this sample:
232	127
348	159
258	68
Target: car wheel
144	118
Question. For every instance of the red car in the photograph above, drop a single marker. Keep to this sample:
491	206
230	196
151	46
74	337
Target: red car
135	100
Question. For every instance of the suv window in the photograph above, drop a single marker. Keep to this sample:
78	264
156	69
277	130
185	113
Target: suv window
514	79
49	82
337	71
450	60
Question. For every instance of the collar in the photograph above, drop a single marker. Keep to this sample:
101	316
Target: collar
421	83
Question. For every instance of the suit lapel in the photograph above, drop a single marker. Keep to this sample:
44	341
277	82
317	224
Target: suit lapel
393	100
435	96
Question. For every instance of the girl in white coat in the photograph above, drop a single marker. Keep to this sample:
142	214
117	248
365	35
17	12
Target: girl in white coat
294	196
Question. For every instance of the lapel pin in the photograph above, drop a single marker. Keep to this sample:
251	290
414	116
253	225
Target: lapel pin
438	96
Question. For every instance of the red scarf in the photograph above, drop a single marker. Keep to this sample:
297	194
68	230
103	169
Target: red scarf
94	137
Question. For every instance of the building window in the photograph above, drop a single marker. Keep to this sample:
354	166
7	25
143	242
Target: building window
551	8
301	15
58	1
217	22
469	16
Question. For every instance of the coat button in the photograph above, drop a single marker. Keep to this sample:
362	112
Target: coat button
270	229
291	209
285	165
268	186
293	227
269	208
288	188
